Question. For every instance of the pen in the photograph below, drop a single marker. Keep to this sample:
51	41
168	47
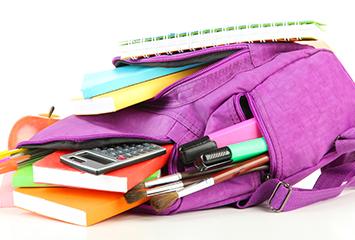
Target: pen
236	133
8	153
231	154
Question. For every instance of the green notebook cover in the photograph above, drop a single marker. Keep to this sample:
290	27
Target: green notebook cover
24	178
153	176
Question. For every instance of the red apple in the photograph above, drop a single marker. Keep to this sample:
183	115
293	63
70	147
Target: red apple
28	126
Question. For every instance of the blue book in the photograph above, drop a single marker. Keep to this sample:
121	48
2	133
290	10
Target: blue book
107	81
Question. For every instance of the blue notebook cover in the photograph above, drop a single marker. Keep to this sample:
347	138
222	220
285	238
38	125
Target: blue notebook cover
107	81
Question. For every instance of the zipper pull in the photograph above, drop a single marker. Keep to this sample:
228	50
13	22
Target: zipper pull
266	176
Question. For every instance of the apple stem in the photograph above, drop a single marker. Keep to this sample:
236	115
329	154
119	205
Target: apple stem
51	110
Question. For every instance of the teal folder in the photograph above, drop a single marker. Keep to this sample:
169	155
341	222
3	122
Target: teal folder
107	81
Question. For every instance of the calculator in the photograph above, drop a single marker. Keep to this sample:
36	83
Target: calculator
102	160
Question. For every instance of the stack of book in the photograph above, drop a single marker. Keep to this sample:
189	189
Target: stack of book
53	189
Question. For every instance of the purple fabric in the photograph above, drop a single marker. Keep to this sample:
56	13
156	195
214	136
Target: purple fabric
302	98
330	183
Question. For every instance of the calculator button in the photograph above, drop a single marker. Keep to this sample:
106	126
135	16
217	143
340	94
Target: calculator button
121	157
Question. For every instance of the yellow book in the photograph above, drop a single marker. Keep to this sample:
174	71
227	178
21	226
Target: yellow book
125	97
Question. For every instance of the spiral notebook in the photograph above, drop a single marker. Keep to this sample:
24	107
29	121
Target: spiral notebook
189	41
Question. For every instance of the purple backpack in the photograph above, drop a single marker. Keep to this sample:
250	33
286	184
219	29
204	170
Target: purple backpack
302	98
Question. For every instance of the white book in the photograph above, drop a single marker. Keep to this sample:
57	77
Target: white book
190	41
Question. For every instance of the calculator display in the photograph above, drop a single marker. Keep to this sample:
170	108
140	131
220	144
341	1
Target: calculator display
106	159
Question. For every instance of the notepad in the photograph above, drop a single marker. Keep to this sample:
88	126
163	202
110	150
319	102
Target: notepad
107	81
189	41
125	97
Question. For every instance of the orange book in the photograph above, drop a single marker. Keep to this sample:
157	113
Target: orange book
78	206
50	170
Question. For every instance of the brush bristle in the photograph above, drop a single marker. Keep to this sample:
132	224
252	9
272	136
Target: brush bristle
162	202
135	195
138	187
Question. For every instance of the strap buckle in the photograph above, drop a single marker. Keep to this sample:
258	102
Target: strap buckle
285	200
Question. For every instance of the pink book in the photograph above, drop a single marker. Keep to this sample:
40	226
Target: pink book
6	191
240	132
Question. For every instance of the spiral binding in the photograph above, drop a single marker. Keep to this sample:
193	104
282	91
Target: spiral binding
173	43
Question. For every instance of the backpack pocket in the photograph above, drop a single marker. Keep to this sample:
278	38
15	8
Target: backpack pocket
301	109
232	111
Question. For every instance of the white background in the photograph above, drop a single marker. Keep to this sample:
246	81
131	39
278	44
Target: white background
47	46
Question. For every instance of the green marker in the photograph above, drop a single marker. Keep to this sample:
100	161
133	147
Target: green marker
232	154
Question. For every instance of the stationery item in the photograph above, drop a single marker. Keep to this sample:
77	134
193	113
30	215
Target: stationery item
177	177
15	162
102	160
231	154
23	177
6	199
239	132
125	97
155	175
204	38
9	153
95	84
51	171
78	206
161	202
133	196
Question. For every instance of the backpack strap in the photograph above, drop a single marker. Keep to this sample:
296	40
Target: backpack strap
332	181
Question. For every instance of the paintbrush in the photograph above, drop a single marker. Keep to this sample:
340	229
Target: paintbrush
178	176
136	195
162	202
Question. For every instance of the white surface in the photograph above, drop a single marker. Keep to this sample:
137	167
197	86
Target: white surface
47	46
